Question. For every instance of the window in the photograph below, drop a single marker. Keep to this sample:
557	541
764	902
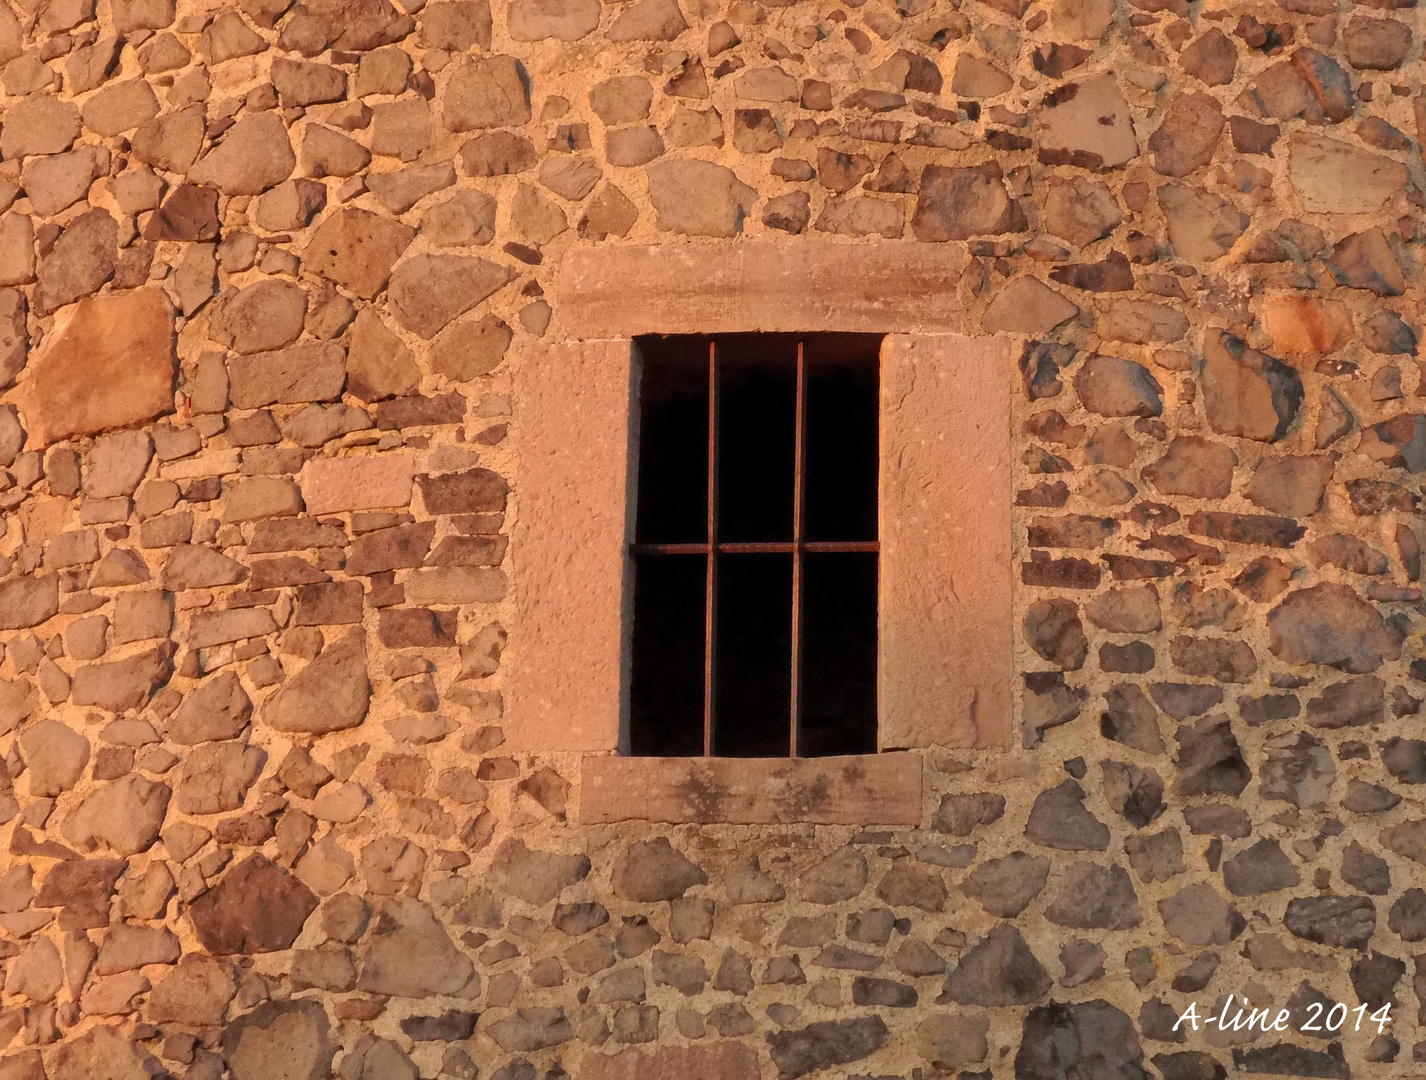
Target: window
924	644
755	546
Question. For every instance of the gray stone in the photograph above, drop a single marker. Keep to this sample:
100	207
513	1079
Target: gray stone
1005	887
826	1044
1063	1042
1196	914
1339	921
840	876
1094	897
412	956
536	877
998	970
1059	819
652	870
1262	868
1330	624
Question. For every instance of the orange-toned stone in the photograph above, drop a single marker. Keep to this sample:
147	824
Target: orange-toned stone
1301	325
563	684
725	1060
945	660
331	485
863	789
699	289
110	366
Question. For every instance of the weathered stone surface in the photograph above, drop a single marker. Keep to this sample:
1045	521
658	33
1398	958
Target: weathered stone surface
958	203
1211	58
288	1039
256	907
1059	819
535	876
724	1059
825	1044
1332	177
428	291
255	154
1262	868
1331	624
357	249
486	92
101	1053
28	601
1343	921
1027	305
1094	1038
1290	485
1298	770
121	685
1210	759
1202	226
1365	260
653	870
216	777
1187	138
123	816
1088	124
1196	914
331	693
415	957
55	756
1246	392
528	1030
1111	386
698	198
111	366
1000	969
197	991
1079	209
1005	887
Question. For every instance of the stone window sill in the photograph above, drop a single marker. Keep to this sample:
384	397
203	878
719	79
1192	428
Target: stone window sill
863	789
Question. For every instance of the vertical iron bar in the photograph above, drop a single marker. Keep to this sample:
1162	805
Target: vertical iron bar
710	589
797	485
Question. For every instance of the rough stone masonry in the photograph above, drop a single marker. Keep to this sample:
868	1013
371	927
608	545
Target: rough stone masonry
265	270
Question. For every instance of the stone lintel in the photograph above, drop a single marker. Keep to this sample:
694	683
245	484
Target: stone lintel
805	285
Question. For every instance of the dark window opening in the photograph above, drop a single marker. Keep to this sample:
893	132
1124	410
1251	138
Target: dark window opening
755	546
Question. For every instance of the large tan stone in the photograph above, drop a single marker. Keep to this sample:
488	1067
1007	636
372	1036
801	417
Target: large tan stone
897	284
1088	124
334	485
330	694
883	789
1027	306
357	249
1332	177
569	547
110	366
945	649
1301	324
428	291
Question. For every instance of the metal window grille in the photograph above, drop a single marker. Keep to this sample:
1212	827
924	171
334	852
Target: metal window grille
761	396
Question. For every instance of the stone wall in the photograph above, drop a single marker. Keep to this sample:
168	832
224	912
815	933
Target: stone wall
265	271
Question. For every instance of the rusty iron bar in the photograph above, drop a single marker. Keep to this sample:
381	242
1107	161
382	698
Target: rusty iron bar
772	547
710	585
712	547
797	459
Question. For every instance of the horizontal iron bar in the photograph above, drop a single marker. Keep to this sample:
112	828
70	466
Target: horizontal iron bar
813	547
